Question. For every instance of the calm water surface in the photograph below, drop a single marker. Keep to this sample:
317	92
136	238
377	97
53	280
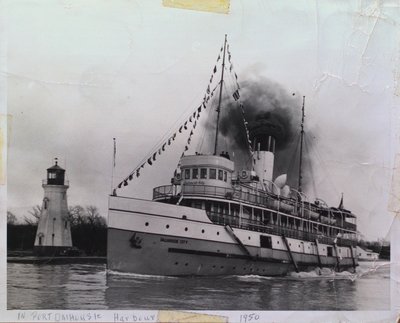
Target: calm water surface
83	286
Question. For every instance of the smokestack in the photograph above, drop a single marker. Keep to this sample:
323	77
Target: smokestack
264	159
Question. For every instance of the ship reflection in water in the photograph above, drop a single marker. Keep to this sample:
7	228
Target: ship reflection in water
78	286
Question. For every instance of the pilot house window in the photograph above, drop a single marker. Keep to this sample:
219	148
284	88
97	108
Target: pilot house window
187	173
195	173
220	174
213	173
203	173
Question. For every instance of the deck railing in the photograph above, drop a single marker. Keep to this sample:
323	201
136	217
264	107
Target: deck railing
278	203
254	225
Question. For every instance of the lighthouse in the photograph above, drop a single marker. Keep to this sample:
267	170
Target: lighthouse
53	236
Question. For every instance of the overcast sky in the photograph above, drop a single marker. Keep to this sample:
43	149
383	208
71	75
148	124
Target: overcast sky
83	72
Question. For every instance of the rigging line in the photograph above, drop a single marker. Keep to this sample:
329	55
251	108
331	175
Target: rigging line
169	133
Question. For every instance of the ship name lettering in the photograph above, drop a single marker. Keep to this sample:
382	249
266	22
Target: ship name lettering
183	241
169	240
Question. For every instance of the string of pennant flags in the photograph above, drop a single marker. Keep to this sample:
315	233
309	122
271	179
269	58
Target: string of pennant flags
191	120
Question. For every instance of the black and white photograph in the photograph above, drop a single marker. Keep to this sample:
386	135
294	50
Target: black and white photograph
190	161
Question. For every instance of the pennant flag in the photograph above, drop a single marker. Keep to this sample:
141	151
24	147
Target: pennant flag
204	105
229	57
130	177
183	154
185	125
231	68
149	161
174	136
180	129
222	48
194	125
235	75
208	89
198	116
163	147
236	95
154	156
137	173
190	119
125	183
159	151
215	69
186	148
169	141
211	79
191	133
119	185
142	165
219	57
188	141
199	109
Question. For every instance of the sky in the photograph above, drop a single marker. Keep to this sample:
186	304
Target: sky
80	73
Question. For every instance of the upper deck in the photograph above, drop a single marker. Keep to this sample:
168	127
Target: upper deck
339	218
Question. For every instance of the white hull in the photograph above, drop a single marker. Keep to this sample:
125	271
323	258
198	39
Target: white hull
148	237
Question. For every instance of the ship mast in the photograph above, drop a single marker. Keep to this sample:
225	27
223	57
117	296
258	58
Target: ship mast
220	98
301	145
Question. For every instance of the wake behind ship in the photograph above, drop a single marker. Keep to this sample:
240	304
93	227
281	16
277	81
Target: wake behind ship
217	219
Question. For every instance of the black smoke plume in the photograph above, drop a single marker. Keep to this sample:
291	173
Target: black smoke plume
269	110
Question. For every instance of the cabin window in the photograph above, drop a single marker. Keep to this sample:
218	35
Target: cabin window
220	174
197	204
213	173
203	173
329	251
45	204
195	173
225	176
187	173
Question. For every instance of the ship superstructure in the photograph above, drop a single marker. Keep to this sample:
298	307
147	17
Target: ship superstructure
216	219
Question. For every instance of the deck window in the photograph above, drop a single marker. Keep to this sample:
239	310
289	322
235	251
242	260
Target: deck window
195	173
213	173
203	173
220	174
225	176
187	173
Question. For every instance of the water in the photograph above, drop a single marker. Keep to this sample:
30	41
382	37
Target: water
89	286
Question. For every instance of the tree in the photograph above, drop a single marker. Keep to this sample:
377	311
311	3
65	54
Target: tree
35	213
11	218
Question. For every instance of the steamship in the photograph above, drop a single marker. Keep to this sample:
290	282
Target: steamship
215	219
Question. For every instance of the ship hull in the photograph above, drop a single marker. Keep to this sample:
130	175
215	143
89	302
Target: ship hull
146	237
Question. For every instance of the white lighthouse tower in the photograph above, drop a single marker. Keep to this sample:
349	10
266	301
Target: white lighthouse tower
53	236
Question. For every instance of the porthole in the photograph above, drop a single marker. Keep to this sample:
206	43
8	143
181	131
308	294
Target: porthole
277	242
244	268
186	229
186	264
213	266
249	238
146	224
184	217
202	231
222	267
167	226
217	233
234	268
299	246
290	244
176	263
